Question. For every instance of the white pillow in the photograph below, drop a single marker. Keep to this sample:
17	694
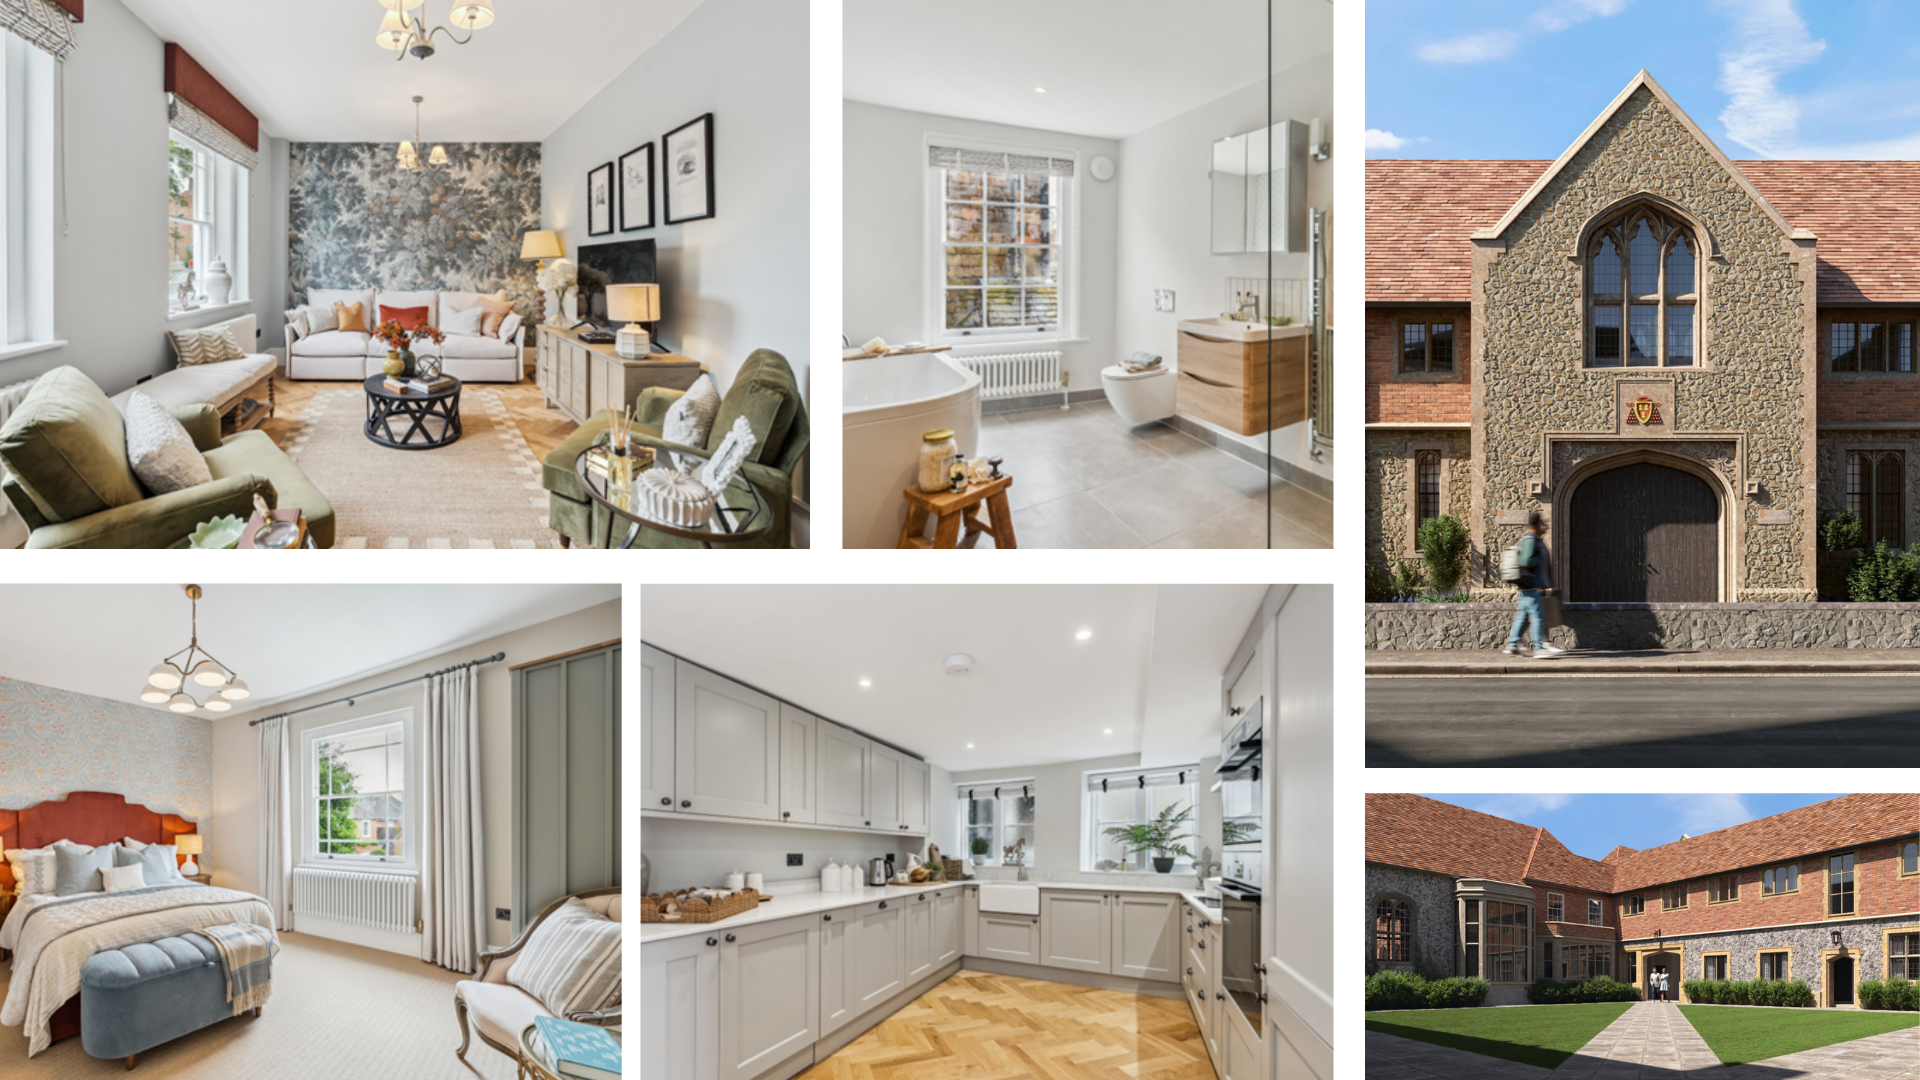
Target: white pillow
131	844
297	318
321	318
160	450
32	870
123	878
509	326
461	322
690	419
571	963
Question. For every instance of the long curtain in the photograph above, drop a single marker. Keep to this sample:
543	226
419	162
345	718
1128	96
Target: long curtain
451	863
276	821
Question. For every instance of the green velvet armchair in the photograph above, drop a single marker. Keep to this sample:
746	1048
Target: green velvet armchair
65	456
764	391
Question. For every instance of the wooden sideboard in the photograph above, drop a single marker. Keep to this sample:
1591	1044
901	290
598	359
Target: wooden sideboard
581	379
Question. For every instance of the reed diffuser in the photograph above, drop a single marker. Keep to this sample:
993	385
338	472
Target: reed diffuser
620	464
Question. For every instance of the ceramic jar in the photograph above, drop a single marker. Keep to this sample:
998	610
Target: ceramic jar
219	283
393	365
937	451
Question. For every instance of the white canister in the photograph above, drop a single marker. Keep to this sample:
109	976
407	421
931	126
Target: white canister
735	880
219	282
830	879
937	450
850	876
756	882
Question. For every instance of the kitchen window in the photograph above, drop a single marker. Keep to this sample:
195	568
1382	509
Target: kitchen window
1001	219
1159	798
1775	880
206	220
357	808
1000	814
1840	884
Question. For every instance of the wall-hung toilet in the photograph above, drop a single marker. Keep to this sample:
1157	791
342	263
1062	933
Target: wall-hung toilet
1139	397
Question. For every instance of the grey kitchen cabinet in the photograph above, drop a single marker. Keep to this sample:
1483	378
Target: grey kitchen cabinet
726	746
769	994
656	729
1216	1004
566	785
948	941
1076	931
917	912
876	953
1242	1046
913	796
969	921
1145	942
842	772
680	1027
837	1004
1010	937
884	768
799	771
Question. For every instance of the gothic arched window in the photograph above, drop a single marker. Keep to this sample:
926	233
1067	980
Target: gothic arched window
1393	931
1643	272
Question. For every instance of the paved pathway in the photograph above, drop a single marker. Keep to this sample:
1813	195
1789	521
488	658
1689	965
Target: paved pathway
1405	662
1390	1057
1650	1040
1892	1056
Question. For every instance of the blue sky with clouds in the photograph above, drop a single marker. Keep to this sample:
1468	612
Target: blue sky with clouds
1592	825
1795	79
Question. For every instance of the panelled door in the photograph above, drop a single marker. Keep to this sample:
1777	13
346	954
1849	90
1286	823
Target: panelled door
1641	533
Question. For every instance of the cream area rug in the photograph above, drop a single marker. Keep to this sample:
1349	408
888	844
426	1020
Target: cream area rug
337	1010
481	492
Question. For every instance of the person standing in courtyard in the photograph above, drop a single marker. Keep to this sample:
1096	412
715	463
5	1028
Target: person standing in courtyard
1535	582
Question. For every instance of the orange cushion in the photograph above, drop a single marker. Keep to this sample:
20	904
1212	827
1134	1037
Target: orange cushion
496	313
353	317
409	318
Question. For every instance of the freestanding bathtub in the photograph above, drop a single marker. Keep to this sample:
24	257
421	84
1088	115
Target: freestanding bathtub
887	404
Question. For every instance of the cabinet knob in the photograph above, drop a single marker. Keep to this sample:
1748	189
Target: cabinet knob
786	813
713	941
686	802
666	802
869	823
1203	945
1202	993
827	918
730	937
1189	971
922	896
883	905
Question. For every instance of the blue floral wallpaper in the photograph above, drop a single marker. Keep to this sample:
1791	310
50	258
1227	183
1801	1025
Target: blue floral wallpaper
356	221
56	741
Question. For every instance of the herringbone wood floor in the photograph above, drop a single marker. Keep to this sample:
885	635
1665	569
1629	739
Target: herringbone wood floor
997	1027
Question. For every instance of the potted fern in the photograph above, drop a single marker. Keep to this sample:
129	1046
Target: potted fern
1162	836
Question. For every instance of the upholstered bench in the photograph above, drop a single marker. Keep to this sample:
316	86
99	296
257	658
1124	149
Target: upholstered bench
135	998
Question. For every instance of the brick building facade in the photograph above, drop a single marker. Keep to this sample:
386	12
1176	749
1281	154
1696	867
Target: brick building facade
1828	894
1681	361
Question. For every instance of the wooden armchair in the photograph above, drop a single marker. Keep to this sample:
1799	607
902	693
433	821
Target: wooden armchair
501	1010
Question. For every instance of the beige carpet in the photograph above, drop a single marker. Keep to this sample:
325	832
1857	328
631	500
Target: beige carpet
481	492
337	1011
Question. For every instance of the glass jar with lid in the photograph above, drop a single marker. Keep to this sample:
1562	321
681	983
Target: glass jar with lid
937	451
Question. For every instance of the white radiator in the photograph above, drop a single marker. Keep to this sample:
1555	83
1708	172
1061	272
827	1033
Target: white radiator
1005	375
370	901
10	399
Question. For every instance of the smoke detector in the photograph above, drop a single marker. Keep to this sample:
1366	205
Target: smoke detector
959	664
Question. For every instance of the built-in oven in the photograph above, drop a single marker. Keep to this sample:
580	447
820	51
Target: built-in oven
1243	851
1240	949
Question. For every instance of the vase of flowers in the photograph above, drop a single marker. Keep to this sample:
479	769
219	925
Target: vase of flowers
400	341
559	279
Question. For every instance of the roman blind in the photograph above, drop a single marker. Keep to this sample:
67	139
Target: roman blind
203	110
953	157
1123	779
39	23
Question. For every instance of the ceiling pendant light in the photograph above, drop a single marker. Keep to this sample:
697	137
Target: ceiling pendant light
402	33
170	680
408	159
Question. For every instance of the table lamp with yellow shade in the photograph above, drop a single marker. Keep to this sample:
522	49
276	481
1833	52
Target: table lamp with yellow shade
633	304
189	844
541	244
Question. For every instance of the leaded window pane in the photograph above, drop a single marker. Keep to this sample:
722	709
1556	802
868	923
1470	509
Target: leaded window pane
1840	884
1680	336
1427	468
1910	857
1841	337
1900	347
1442	338
1887	519
1858	469
1643	261
1606	336
1679	268
1643	338
1413	347
1606	269
1872	347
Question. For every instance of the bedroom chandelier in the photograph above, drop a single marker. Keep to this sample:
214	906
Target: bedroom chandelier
172	679
409	157
402	32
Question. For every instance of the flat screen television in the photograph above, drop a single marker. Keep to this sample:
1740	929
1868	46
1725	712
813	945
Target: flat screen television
629	262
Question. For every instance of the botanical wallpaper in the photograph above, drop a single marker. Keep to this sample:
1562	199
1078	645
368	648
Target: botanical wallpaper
56	741
356	221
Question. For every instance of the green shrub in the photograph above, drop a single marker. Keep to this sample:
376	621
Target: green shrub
1840	532
1794	993
1443	545
1598	988
1895	993
1405	990
1379	584
1871	994
1883	575
1457	993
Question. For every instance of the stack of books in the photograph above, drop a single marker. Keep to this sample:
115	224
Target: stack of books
578	1051
417	385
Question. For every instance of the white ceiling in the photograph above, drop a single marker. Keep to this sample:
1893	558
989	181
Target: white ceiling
309	69
1112	68
1037	695
284	640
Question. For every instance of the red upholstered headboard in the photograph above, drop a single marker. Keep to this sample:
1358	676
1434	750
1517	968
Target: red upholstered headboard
86	817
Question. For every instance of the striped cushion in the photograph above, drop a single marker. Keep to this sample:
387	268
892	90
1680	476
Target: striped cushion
208	345
571	963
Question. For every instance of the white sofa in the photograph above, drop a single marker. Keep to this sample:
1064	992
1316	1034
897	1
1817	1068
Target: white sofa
352	356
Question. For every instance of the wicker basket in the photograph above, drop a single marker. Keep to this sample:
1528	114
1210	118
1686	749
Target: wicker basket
693	909
956	868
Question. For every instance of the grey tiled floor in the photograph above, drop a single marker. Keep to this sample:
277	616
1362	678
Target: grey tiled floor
1085	478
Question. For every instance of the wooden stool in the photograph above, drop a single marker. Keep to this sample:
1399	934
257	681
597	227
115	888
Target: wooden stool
952	509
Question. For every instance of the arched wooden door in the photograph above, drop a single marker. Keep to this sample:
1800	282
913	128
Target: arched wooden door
1643	533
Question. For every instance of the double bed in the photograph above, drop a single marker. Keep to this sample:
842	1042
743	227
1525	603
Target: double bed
51	937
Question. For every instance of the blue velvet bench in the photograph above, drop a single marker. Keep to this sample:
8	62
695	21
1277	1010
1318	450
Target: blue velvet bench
133	999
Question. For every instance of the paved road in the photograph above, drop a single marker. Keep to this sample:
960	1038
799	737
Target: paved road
1645	721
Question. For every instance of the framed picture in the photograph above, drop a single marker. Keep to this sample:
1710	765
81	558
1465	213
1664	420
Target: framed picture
600	200
636	189
688	157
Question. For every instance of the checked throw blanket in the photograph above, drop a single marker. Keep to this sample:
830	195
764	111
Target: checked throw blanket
248	953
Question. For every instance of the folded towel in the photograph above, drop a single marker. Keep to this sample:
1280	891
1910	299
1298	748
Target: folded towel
247	951
1144	359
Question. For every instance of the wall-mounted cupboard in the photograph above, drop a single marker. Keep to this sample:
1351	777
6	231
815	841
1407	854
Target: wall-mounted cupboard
712	747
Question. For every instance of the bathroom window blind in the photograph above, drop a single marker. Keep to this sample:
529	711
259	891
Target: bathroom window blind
1002	222
952	157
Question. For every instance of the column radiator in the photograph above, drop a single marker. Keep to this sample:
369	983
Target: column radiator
1005	375
370	901
10	399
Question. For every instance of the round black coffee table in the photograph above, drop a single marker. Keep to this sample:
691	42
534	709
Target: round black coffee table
385	406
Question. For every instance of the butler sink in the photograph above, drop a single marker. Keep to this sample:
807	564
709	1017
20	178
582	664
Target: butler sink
1229	330
1009	899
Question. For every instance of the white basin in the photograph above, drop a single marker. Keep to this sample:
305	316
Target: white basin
1229	330
1009	899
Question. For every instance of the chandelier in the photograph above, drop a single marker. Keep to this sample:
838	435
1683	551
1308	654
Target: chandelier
409	158
173	681
402	32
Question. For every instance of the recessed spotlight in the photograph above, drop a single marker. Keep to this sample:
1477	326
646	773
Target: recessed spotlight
866	682
1109	731
1039	89
969	746
1084	635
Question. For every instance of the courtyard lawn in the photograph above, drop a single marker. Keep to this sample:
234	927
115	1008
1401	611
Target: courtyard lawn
1738	1035
1543	1035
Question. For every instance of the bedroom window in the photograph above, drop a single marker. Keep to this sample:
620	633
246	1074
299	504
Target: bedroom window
206	219
1001	222
357	808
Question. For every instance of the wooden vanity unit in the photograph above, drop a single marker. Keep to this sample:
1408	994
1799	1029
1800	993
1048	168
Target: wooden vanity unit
1227	383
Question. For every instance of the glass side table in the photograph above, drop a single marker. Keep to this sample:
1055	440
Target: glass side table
742	513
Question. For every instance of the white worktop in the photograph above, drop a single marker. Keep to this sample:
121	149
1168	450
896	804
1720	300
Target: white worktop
791	905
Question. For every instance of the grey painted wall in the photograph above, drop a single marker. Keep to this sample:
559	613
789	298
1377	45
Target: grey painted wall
110	246
689	853
738	281
884	204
